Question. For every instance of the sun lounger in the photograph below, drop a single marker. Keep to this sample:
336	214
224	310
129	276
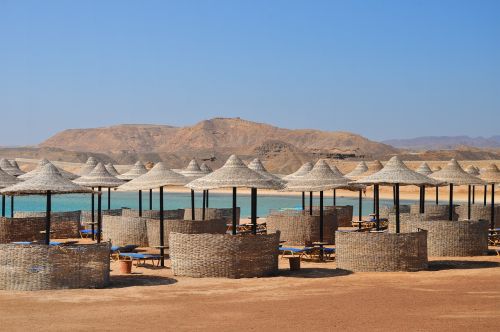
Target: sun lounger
85	233
140	257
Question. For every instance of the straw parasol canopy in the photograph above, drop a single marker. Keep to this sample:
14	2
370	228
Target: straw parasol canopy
193	170
234	174
43	162
437	168
452	173
357	171
303	170
111	169
99	177
7	180
47	179
14	164
88	167
320	178
256	165
472	170
424	169
205	168
158	176
373	168
336	170
396	172
491	174
137	170
9	169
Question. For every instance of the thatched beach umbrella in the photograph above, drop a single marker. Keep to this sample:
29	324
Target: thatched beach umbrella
206	169
99	177
320	178
7	180
235	174
47	182
491	175
9	169
193	172
158	177
88	167
395	173
472	170
41	163
137	170
351	187
14	164
425	170
453	174
303	170
360	168
111	169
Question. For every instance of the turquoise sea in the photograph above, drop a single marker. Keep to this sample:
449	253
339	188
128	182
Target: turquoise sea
182	200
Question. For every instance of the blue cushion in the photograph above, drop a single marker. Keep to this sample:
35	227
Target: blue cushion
291	249
135	255
21	242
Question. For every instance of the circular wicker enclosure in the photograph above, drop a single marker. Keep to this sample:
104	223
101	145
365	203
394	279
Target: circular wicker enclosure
154	214
122	230
65	225
21	229
300	228
215	226
449	238
434	212
222	255
213	213
479	212
40	267
86	216
381	252
386	210
344	215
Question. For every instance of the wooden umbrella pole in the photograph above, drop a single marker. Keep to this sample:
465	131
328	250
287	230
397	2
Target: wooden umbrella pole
47	217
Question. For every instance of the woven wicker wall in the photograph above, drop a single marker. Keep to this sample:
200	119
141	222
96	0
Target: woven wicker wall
155	214
434	212
299	228
227	256
122	230
344	215
479	212
41	267
65	225
449	238
86	216
383	252
21	229
214	213
216	226
385	210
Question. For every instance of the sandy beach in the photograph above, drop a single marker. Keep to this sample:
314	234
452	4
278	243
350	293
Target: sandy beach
455	294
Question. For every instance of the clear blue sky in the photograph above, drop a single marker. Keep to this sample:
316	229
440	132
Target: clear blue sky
384	69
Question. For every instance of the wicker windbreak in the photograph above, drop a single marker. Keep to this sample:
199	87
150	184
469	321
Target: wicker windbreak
213	213
65	225
21	229
344	215
216	226
155	214
381	252
299	228
40	267
121	231
86	216
449	238
386	210
434	212
226	256
479	212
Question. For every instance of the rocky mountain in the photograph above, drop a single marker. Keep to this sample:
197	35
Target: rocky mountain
445	142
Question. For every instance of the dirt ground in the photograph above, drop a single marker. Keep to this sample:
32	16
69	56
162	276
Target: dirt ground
454	294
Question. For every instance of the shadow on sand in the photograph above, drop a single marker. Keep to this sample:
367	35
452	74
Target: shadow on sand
314	273
460	265
136	279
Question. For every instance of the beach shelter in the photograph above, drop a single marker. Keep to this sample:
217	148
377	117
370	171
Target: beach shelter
472	170
360	168
9	169
205	168
100	178
235	174
47	182
14	164
491	175
157	177
111	169
453	174
193	172
137	170
303	170
425	170
320	178
88	167
7	180
41	163
395	173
